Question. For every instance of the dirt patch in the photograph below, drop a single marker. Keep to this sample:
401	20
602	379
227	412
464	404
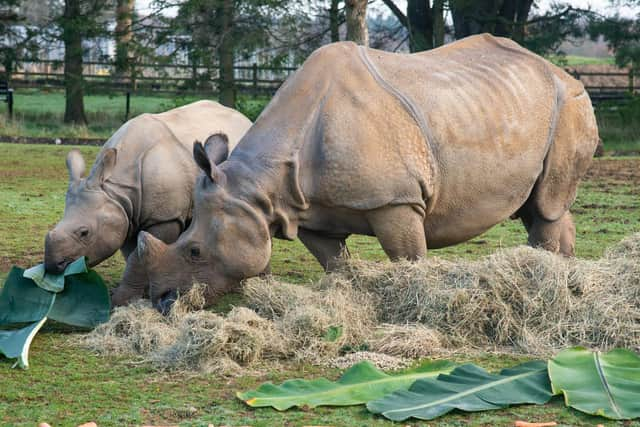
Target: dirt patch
615	171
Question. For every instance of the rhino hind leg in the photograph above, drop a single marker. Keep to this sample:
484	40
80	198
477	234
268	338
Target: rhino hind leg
328	250
400	231
557	236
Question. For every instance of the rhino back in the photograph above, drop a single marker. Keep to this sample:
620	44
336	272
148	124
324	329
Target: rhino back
155	170
461	131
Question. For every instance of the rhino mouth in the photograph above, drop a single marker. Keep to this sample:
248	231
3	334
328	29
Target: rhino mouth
56	267
165	302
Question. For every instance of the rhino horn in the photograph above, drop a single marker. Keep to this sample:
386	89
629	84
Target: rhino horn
149	247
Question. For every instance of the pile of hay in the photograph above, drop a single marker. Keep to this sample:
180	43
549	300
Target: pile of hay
522	300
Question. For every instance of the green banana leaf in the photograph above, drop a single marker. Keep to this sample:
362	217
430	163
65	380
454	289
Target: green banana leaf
359	384
16	343
468	388
22	301
55	282
605	384
85	301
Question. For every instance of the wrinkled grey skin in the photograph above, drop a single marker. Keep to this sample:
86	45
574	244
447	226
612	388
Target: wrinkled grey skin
421	150
142	180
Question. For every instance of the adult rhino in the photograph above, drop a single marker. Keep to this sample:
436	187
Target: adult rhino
421	150
142	179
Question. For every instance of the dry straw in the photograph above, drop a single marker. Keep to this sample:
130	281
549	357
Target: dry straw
521	300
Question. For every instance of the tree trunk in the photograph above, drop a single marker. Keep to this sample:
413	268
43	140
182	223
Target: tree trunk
474	17
522	15
226	55
72	37
334	20
438	22
124	34
420	25
356	11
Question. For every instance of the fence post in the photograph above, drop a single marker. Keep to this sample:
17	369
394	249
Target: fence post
128	105
10	103
631	83
255	78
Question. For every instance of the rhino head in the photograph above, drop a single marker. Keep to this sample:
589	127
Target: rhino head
227	240
94	224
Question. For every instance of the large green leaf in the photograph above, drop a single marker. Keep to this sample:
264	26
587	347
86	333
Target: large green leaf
469	388
606	384
16	343
55	282
22	301
84	302
359	384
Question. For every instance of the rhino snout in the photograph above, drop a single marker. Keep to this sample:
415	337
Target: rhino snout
54	261
165	302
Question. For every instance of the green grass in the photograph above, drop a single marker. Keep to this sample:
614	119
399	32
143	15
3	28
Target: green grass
40	113
573	60
66	385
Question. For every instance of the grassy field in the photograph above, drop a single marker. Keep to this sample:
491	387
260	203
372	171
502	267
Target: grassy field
40	114
67	385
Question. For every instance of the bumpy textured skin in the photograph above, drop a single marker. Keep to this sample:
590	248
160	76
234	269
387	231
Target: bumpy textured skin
149	187
428	149
497	120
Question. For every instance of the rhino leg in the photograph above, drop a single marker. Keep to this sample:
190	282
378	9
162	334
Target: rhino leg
134	282
400	230
555	236
327	250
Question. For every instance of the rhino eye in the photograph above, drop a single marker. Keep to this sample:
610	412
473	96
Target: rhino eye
83	232
195	252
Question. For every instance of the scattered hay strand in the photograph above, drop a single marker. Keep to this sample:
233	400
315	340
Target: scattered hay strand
522	299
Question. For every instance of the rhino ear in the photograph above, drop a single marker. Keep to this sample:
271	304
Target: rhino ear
75	165
103	168
207	164
217	148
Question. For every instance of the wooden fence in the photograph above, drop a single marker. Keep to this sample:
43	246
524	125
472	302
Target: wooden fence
250	79
153	78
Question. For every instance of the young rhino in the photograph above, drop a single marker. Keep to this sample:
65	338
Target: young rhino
142	180
421	150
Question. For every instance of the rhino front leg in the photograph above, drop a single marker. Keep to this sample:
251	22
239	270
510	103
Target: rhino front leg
400	230
327	250
134	282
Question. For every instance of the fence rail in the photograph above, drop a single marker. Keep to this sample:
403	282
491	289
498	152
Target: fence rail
250	79
158	78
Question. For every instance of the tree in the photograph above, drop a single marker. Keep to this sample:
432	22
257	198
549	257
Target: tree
334	20
124	35
622	35
80	20
356	14
219	31
17	37
513	19
424	23
71	24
